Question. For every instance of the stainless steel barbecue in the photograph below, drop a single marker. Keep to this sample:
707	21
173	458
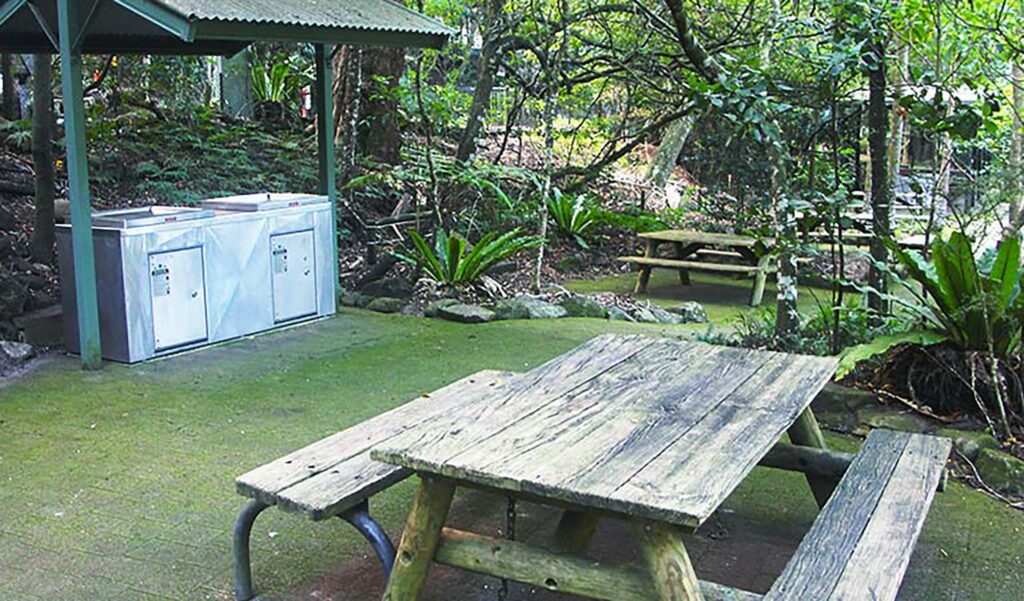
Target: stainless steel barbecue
175	278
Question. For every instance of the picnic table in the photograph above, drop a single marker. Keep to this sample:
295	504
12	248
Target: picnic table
746	255
658	432
654	431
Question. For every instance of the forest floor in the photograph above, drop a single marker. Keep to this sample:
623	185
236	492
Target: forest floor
118	484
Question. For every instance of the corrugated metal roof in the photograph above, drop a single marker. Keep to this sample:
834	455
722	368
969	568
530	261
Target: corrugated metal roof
368	15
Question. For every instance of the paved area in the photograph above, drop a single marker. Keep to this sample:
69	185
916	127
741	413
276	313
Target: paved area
119	484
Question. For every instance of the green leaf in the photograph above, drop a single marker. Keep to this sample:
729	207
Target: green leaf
849	359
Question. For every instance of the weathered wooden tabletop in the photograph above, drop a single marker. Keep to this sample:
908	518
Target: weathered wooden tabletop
646	427
710	238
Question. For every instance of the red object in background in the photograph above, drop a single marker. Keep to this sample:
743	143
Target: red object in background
304	104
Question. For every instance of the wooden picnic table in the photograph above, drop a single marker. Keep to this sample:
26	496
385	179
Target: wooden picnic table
655	431
747	255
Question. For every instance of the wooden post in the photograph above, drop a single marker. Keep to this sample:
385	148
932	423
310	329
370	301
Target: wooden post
575	531
760	278
87	306
419	541
806	432
684	274
323	94
669	564
645	270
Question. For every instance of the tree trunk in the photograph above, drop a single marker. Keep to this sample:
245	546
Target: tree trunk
41	246
881	192
897	116
484	80
671	145
9	99
1015	219
364	95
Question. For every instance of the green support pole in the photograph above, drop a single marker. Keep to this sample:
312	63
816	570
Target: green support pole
69	22
324	96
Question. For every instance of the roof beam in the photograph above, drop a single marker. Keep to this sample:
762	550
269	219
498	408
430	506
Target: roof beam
162	17
8	8
84	25
221	30
47	30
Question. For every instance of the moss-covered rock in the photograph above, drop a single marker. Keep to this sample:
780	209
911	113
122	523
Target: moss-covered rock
617	314
1001	471
386	304
970	442
878	416
354	299
524	307
466	313
690	312
584	306
434	308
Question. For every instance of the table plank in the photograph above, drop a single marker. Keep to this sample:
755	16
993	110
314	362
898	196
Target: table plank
666	433
577	432
690	236
419	448
705	464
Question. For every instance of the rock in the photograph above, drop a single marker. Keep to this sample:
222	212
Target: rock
434	308
690	312
664	316
466	313
877	416
386	304
1001	471
970	442
44	327
617	314
355	299
394	287
6	245
584	306
843	398
524	307
644	315
17	351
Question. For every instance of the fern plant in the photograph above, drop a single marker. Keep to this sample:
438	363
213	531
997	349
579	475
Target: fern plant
452	261
572	216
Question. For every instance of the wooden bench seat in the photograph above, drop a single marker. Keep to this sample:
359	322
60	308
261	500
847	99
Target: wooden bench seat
694	265
861	543
335	476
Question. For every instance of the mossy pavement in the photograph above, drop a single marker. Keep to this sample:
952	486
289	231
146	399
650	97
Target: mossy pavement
118	484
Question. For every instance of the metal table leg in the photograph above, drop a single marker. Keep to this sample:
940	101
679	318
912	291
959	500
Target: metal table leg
359	517
240	549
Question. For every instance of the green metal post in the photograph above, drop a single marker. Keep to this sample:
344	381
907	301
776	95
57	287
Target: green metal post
69	21
324	96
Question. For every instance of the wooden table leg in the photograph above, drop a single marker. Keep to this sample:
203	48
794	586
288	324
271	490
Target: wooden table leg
684	274
645	270
669	564
575	531
419	541
806	432
760	278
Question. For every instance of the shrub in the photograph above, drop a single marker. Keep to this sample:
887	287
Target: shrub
572	217
453	262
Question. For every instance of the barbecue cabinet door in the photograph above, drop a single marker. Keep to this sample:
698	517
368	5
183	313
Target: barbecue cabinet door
178	293
293	273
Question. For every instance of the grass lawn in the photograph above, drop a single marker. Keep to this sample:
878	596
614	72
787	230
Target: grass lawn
118	484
